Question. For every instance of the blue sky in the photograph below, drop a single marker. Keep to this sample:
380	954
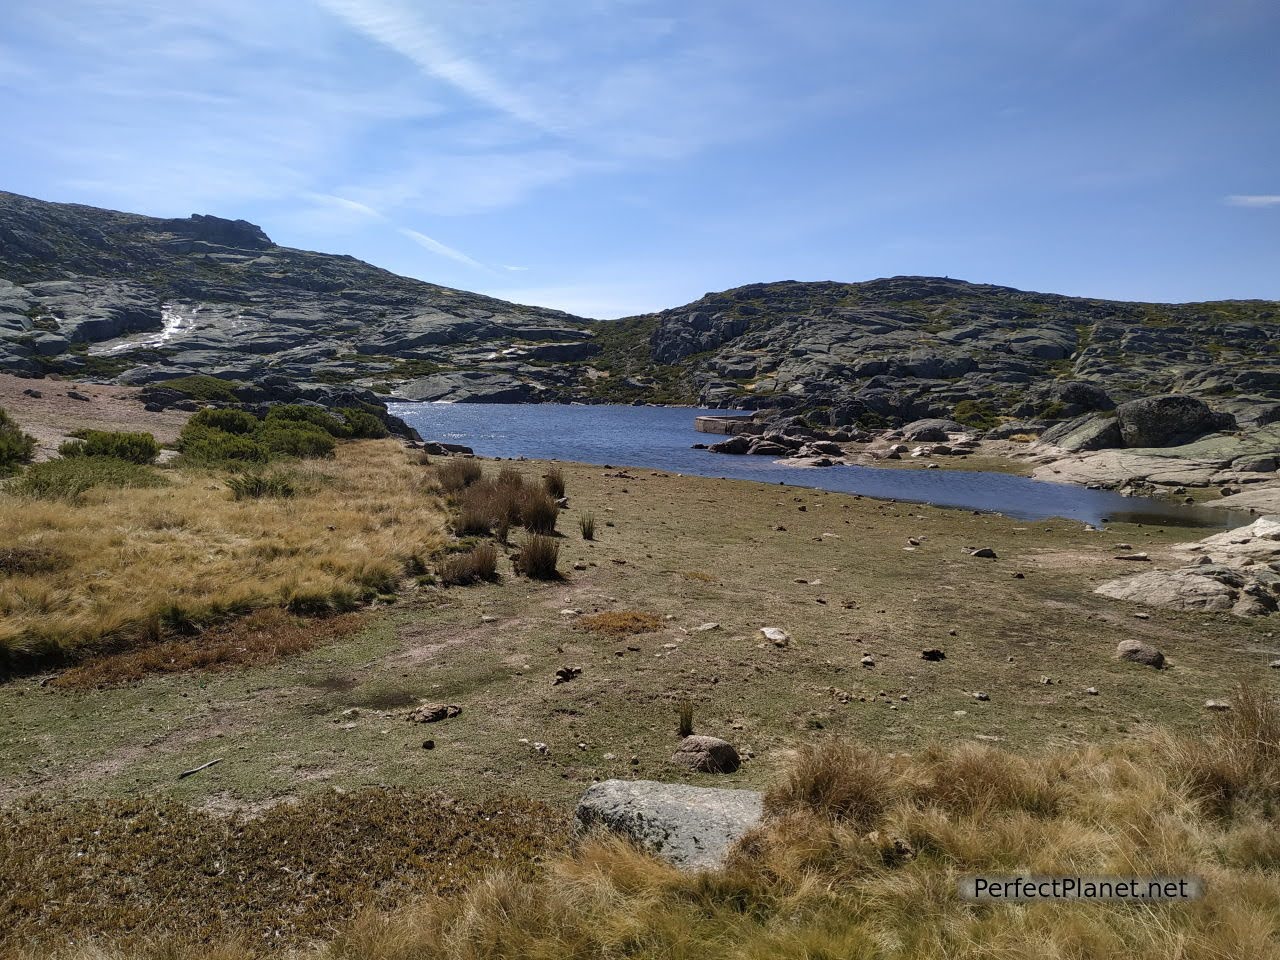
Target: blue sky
610	157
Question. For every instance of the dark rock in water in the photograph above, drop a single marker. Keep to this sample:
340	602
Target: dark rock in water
691	827
737	444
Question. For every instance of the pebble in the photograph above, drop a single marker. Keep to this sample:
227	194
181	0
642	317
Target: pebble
868	661
1218	705
1091	691
979	695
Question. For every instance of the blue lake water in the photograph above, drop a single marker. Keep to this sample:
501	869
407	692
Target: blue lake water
661	438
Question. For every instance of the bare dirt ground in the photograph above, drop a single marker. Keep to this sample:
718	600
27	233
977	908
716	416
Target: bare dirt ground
53	415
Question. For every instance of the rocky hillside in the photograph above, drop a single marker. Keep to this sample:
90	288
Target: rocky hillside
903	348
107	295
139	300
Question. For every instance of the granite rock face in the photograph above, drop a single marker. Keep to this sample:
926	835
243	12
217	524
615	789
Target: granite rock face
99	294
691	827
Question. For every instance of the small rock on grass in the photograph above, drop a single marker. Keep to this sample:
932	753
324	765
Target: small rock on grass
1217	705
777	636
985	553
708	626
565	674
433	712
706	755
1137	651
933	655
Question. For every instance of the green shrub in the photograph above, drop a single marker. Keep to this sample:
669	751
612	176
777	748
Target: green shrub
133	447
538	557
203	387
302	414
978	414
229	421
208	446
16	447
256	485
295	438
363	425
69	478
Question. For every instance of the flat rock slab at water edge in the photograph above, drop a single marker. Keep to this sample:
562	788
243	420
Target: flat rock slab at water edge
1237	571
691	827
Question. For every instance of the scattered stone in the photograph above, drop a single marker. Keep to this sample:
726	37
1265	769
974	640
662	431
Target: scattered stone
868	661
690	827
979	695
985	553
565	674
351	712
542	748
1133	556
1138	651
1217	705
428	744
433	712
933	655
579	565
776	636
1091	691
705	754
708	626
1019	576
77	395
34	394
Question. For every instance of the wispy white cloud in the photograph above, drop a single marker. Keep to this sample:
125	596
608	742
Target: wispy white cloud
404	30
1253	200
435	246
514	269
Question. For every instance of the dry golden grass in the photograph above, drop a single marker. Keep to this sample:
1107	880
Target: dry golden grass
259	638
136	563
861	858
621	623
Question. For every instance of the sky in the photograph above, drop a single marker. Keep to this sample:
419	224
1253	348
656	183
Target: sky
612	157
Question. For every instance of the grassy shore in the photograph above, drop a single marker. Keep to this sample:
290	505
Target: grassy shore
664	607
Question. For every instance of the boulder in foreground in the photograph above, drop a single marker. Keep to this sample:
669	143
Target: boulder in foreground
690	827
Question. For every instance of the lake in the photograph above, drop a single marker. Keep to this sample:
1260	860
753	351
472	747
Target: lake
661	438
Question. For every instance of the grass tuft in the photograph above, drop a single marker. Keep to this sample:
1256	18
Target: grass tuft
587	526
553	482
458	472
477	564
538	558
255	485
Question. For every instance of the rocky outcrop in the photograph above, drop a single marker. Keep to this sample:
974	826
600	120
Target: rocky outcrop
1168	421
1236	572
691	827
153	299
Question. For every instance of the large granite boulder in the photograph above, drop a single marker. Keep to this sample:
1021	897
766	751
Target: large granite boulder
930	430
1168	421
691	827
1089	432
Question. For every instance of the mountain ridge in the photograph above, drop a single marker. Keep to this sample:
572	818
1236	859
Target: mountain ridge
144	300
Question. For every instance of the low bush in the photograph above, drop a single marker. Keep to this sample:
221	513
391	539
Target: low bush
256	485
538	512
224	419
315	416
979	414
133	447
478	563
553	481
458	472
538	558
295	438
69	478
209	446
204	388
16	447
587	524
363	425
